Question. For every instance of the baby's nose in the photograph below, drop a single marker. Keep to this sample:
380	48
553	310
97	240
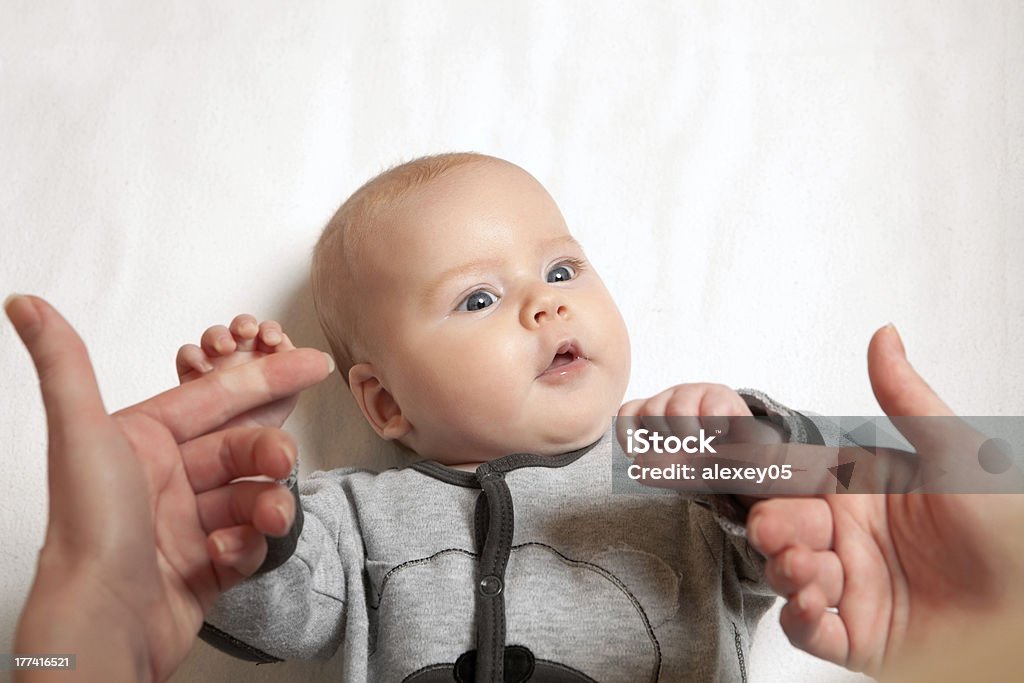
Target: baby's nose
544	306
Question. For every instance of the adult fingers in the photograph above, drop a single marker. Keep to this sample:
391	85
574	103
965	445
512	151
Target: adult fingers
941	439
897	386
206	404
900	391
810	627
223	456
779	523
236	553
70	393
797	568
267	506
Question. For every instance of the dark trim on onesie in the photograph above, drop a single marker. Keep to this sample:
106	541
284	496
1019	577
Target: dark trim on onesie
431	673
225	642
494	523
280	549
796	426
448	475
739	651
525	667
555	672
506	463
490	594
278	552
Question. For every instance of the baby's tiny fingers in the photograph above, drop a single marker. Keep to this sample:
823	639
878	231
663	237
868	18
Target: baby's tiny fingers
717	405
191	359
271	334
627	419
217	341
721	401
244	327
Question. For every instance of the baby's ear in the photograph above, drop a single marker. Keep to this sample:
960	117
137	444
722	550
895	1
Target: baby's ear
378	405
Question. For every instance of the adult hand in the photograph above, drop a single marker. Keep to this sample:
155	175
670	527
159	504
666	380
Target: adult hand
901	570
146	524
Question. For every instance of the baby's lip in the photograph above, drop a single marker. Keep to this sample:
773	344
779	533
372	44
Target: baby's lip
566	352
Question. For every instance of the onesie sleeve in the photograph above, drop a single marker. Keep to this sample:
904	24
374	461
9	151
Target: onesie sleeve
729	514
295	607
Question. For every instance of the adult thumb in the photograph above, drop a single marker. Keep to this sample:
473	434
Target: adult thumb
898	388
66	379
914	408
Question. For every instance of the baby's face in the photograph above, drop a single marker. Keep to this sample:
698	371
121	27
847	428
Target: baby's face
494	335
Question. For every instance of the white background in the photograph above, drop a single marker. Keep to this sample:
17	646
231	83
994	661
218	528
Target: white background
761	185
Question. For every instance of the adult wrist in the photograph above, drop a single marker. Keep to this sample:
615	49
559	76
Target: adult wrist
71	615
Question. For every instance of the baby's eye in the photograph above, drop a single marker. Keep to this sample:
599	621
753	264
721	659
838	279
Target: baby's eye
478	300
563	272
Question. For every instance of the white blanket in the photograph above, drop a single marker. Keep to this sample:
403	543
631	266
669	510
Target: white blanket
761	185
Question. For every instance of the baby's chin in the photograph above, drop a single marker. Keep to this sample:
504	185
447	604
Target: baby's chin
571	440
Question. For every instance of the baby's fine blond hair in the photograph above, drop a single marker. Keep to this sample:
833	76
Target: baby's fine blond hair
336	255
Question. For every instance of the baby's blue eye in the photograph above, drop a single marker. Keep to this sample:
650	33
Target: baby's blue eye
563	272
478	300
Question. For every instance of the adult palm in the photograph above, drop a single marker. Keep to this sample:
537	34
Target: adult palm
900	569
147	525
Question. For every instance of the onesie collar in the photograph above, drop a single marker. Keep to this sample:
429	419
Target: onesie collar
499	466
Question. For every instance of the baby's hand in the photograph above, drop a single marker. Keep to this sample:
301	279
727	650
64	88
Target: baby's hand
242	342
684	409
687	409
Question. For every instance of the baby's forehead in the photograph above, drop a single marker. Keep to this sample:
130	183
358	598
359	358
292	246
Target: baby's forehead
477	208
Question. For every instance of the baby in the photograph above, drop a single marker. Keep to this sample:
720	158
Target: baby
472	330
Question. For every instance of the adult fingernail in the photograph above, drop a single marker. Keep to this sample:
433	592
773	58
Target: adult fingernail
283	514
753	530
10	298
227	544
330	363
289	454
899	339
23	314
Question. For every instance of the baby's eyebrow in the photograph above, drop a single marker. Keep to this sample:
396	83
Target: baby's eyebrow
470	268
566	240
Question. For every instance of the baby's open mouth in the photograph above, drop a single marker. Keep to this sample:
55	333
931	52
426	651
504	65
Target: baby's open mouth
567	353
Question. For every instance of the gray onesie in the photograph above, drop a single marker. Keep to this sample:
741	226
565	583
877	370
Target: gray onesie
529	568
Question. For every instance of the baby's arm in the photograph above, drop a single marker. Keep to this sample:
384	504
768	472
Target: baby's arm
305	608
243	341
